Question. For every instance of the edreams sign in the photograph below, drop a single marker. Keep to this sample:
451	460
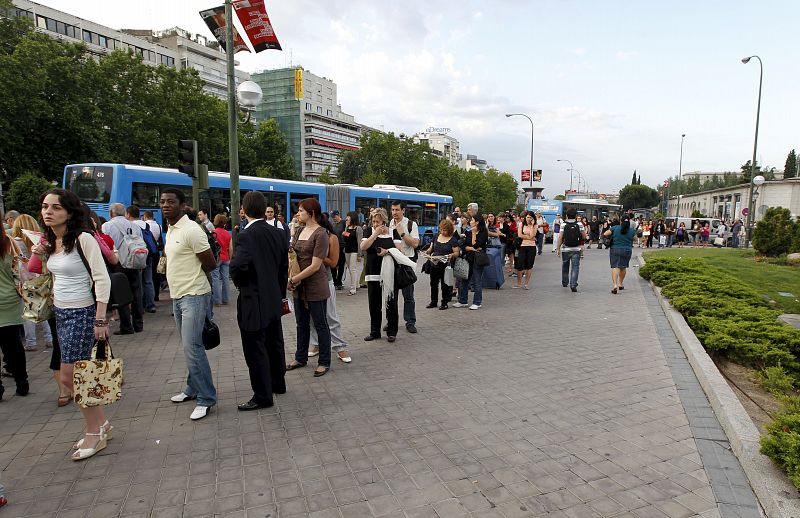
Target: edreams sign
433	129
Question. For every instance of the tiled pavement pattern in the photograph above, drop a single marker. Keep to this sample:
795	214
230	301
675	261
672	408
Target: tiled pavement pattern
543	403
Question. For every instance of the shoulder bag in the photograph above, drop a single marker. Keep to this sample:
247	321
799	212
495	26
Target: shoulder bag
37	297
294	265
98	381
461	268
404	276
211	337
482	258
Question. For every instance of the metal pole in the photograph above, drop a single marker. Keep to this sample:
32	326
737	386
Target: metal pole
571	170
531	121
750	204
233	139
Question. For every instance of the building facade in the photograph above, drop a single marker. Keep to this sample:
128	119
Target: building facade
172	48
471	162
307	111
728	202
441	144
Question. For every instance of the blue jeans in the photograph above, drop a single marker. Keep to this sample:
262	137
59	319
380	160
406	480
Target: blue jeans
539	242
475	282
316	312
148	290
570	277
409	314
190	314
219	282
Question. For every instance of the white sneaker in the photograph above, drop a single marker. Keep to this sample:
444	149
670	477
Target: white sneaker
180	398
459	305
475	306
199	412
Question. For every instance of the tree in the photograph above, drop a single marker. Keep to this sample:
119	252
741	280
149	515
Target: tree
559	197
697	214
639	179
326	177
269	151
25	191
747	171
790	168
633	180
638	196
773	235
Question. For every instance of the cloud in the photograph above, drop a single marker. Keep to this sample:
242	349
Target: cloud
580	51
627	54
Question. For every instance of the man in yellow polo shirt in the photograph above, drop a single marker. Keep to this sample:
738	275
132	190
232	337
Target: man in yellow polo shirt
189	258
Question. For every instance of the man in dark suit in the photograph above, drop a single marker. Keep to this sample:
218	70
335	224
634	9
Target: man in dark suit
259	268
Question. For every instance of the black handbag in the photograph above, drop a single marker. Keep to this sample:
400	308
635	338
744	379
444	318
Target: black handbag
482	258
121	293
211	337
404	276
426	268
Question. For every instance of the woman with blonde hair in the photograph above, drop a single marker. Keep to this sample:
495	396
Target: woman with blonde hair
24	245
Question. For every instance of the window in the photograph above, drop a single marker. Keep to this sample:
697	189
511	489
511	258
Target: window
146	195
103	41
51	25
308	107
414	212
319	109
87	36
362	207
296	198
90	183
41	22
430	216
330	113
61	28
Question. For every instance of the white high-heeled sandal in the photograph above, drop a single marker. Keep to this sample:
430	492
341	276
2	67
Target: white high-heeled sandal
85	453
105	428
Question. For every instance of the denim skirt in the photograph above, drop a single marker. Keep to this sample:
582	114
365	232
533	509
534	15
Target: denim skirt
75	329
620	257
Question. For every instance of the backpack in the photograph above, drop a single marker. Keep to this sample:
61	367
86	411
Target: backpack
419	245
133	250
213	243
149	239
572	234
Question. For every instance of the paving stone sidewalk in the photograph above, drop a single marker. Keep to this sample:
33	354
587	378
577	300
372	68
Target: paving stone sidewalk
543	403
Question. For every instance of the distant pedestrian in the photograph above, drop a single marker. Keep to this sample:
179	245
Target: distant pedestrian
11	316
621	236
155	229
221	274
202	218
474	246
131	317
338	225
556	226
541	232
569	248
260	271
376	243
353	255
189	260
681	234
735	231
526	251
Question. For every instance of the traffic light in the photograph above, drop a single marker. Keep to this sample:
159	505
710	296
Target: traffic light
187	156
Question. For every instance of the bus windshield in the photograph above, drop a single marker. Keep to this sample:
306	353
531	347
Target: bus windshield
90	183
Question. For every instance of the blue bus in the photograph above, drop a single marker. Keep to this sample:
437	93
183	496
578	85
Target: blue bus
586	207
100	184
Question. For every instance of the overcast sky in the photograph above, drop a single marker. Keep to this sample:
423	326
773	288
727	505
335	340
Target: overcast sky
610	85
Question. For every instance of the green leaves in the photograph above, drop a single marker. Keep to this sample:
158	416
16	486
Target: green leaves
638	196
774	234
25	191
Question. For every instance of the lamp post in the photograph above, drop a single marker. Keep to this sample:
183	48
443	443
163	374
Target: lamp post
233	139
750	215
571	170
680	175
531	121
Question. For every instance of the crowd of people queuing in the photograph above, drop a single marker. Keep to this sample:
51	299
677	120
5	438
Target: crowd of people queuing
119	266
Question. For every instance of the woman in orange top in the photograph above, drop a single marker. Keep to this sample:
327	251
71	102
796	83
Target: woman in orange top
526	253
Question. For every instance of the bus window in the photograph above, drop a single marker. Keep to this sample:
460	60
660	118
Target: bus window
386	203
430	216
414	213
219	202
90	183
295	199
445	209
276	200
146	195
363	205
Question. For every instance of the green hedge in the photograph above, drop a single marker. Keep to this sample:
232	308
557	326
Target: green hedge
732	320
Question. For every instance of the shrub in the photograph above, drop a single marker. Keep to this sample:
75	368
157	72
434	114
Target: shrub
782	444
24	193
776	380
774	234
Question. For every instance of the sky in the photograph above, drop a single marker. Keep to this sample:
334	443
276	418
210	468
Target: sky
610	85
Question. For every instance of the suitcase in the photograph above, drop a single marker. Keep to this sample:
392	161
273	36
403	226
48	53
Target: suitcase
493	275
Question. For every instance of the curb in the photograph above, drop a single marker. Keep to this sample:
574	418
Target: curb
777	496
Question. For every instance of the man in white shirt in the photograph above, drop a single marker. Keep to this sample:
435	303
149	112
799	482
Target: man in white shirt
202	218
269	216
557	222
147	290
131	316
406	238
155	229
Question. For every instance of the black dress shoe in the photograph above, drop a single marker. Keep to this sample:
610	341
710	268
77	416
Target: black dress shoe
370	338
121	332
431	305
391	339
23	388
279	390
252	405
411	328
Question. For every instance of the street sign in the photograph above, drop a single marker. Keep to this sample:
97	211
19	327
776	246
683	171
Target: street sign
745	211
525	175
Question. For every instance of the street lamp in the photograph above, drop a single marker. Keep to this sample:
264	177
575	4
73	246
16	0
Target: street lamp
570	170
249	96
758	181
680	175
750	215
531	121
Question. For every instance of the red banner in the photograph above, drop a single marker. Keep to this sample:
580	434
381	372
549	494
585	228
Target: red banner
215	19
254	18
525	175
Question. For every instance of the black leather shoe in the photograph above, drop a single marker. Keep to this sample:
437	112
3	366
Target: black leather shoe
121	332
391	339
252	405
411	328
23	388
370	338
431	305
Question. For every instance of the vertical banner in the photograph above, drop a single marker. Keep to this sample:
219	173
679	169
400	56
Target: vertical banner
537	175
254	18
525	175
215	19
298	83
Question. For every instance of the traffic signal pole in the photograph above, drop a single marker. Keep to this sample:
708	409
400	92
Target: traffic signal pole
233	139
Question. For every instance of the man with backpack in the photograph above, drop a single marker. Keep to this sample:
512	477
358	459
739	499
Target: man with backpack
133	254
146	275
569	248
155	229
